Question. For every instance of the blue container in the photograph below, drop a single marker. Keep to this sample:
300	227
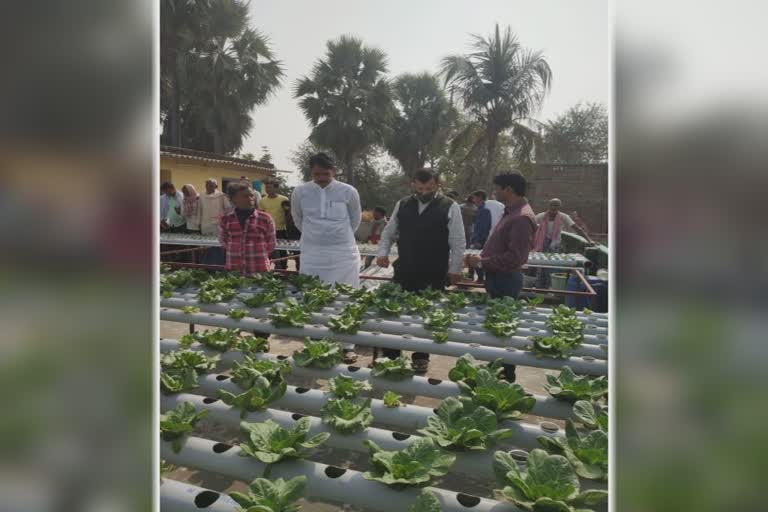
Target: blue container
598	303
574	284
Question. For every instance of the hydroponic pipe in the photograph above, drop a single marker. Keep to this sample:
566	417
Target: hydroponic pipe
182	497
409	418
545	406
391	327
324	483
510	355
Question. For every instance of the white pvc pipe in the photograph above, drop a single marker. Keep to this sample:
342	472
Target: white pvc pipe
324	483
182	497
546	406
390	327
510	355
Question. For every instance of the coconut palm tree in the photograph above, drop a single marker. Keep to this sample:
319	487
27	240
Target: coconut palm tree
501	85
347	100
422	121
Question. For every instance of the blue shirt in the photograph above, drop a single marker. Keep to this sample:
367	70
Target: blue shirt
482	227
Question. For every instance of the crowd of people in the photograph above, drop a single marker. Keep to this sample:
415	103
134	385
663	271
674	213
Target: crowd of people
431	229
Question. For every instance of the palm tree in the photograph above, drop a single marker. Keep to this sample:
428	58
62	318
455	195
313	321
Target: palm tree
500	84
422	121
347	100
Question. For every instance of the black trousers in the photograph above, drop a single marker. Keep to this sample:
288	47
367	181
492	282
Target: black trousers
280	235
416	282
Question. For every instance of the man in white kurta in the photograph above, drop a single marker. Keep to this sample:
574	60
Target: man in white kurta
327	212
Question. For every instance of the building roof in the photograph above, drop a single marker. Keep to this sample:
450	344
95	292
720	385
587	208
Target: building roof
192	154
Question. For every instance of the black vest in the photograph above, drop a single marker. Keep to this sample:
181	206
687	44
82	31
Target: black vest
422	244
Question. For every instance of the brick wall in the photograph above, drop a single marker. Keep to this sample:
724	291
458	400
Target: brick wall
581	187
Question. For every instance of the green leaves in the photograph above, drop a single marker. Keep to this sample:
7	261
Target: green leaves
181	367
591	415
440	336
345	324
178	380
262	298
343	386
467	366
252	344
258	397
588	454
439	320
391	399
547	484
347	415
550	346
318	354
508	401
315	298
190	309
268	442
217	290
237	314
571	388
426	502
395	369
414	465
175	424
217	339
292	314
461	423
245	373
267	496
564	324
501	317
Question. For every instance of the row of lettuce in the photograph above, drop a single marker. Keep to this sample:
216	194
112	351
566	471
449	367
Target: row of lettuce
438	309
469	422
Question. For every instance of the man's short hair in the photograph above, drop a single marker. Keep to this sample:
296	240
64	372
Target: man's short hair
481	194
380	209
237	186
425	175
166	185
322	161
514	180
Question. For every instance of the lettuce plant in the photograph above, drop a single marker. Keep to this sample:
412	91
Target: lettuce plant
194	359
316	298
216	339
501	318
262	298
237	314
292	314
216	290
571	388
432	294
507	400
176	380
344	289
389	307
345	324
426	502
547	484
467	366
318	354
343	386
588	454
271	496
461	423
457	300
440	336
261	393
252	344
564	324
268	442
190	309
550	346
416	304
439	320
417	464
395	369
245	373
592	416
177	423
391	399
347	415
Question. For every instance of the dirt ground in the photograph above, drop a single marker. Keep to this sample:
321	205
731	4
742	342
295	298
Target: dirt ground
532	379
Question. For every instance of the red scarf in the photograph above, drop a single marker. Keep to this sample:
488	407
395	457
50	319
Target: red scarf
541	233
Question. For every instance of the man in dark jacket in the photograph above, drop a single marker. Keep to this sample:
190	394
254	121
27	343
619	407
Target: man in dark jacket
430	238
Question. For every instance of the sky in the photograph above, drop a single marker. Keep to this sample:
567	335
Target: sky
575	37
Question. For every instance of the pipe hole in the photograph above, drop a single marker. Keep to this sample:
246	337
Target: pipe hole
302	390
376	333
534	329
334	472
588	358
211	314
471	323
296	416
378	320
519	455
474	345
467	500
318	326
407	336
549	427
206	498
406	324
210	400
602	337
434	382
466	331
221	447
511	349
282	358
222	377
352	368
400	436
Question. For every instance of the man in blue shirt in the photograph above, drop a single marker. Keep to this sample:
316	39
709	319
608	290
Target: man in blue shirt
482	226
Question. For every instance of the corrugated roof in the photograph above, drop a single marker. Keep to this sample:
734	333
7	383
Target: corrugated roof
215	158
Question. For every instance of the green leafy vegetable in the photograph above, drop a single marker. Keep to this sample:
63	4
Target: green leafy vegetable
426	502
347	415
502	317
392	399
316	298
440	336
252	344
305	282
292	314
550	346
345	324
389	307
190	309
588	454
344	289
396	369
193	359
343	386
245	373
176	380
547	484
533	302
592	416
508	401
439	320
432	294
414	465
586	311
318	354
175	424
565	324
571	388
461	423
267	496
457	300
261	393
237	314
467	367
270	443
216	290
217	339
261	299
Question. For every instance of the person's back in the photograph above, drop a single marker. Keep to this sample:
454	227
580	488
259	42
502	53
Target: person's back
497	210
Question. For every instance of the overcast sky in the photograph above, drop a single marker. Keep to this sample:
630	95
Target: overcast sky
574	36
